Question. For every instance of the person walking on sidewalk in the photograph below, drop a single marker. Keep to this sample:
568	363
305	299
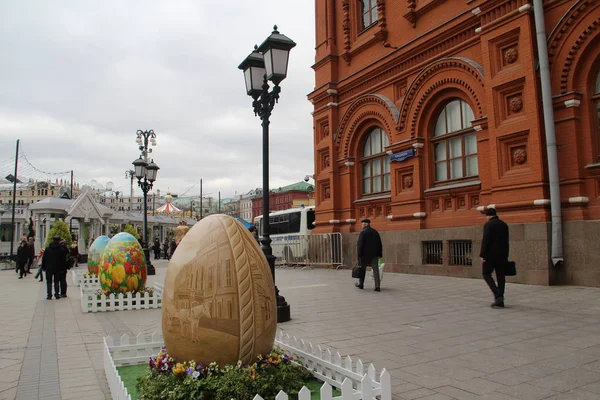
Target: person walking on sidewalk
494	255
74	252
40	273
53	262
31	247
22	259
67	266
369	249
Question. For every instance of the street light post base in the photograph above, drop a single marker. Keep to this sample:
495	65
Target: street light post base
150	270
283	308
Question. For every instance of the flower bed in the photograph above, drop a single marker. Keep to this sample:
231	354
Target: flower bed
345	375
94	299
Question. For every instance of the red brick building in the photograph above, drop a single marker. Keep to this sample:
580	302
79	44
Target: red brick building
282	198
428	111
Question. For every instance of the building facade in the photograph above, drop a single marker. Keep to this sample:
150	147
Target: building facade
427	112
283	198
33	191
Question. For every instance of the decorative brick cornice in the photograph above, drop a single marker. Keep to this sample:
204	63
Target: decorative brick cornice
470	75
496	10
566	22
570	61
373	106
411	59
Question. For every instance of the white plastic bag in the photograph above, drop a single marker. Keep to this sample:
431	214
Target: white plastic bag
381	266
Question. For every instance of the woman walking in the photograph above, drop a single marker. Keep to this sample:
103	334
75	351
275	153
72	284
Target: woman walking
22	258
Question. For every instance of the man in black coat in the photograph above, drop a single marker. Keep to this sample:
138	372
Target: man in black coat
369	249
494	254
31	249
54	262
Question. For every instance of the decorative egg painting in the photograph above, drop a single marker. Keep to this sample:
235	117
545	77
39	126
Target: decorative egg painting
123	265
95	254
219	297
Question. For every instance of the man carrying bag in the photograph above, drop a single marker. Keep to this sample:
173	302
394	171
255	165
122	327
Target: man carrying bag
494	255
369	249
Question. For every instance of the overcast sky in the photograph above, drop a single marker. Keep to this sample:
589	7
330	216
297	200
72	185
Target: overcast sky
78	78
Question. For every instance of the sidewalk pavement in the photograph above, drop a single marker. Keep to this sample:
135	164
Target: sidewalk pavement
437	336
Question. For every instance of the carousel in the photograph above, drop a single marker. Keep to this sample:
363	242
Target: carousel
168	208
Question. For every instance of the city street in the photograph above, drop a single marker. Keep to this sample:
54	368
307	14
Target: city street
436	335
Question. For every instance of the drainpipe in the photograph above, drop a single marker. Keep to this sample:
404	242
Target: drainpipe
551	152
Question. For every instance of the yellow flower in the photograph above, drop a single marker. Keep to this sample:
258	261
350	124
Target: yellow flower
102	279
108	283
274	359
179	369
118	274
132	283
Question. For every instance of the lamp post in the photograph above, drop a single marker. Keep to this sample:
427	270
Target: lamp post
268	62
146	172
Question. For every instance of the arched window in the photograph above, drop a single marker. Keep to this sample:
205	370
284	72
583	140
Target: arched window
375	163
369	13
454	143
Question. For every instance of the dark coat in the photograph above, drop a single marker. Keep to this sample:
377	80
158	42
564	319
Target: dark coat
369	244
55	258
494	245
22	255
31	249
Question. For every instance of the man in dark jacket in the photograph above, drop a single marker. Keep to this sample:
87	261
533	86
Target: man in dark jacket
494	254
369	249
53	263
67	266
31	248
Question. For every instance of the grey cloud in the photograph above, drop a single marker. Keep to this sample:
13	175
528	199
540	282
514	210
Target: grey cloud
78	78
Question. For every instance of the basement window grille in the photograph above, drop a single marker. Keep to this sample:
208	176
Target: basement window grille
461	252
432	252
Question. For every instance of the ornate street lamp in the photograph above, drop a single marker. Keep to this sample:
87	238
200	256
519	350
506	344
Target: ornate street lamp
145	172
268	62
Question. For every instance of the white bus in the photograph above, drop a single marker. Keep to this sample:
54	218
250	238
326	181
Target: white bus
289	233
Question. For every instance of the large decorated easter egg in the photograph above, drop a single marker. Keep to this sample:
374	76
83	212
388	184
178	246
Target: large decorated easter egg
95	254
219	297
123	267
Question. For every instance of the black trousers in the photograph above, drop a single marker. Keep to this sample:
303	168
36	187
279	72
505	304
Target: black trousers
52	278
487	269
22	269
63	283
363	270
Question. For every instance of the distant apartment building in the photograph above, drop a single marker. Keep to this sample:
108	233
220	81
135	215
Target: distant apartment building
284	197
33	191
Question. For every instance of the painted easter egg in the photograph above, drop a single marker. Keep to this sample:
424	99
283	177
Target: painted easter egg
219	297
123	266
95	254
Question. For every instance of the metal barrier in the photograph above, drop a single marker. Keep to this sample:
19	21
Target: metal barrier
306	251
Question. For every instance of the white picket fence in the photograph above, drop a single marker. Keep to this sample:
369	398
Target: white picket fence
341	373
345	375
119	302
79	277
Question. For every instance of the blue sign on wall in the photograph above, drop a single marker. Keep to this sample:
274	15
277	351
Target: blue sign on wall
402	155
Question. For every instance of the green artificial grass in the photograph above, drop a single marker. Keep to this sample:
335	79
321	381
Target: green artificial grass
130	373
314	385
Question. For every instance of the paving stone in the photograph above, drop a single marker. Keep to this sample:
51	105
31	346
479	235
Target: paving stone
567	380
441	329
